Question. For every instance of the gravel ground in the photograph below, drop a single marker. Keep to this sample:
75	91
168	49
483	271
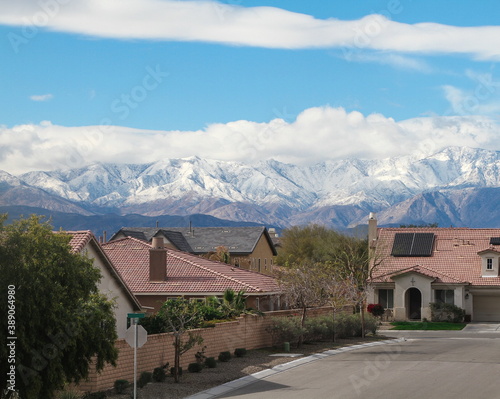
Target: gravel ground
254	361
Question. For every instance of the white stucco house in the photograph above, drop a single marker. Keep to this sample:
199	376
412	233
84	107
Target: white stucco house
111	283
413	267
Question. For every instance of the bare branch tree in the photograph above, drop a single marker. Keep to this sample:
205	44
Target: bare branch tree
302	287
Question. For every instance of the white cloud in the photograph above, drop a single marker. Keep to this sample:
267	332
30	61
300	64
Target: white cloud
41	97
317	134
482	99
269	27
394	60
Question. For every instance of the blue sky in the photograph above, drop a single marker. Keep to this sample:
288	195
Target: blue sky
244	81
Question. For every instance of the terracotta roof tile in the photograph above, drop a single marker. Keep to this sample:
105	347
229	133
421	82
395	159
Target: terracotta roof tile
454	255
186	273
79	239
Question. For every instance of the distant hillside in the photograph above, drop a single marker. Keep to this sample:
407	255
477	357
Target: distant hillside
112	223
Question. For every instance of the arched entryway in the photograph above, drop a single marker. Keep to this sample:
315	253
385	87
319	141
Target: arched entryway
414	304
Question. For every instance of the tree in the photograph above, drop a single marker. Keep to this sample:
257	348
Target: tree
60	321
302	287
352	261
180	315
339	293
314	243
221	254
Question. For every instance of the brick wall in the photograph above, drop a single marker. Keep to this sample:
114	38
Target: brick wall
248	331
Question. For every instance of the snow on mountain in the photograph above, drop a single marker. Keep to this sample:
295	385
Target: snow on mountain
278	192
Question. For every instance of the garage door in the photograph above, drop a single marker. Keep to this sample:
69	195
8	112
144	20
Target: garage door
486	308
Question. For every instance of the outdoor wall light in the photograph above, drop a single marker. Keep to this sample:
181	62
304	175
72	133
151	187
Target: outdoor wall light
467	296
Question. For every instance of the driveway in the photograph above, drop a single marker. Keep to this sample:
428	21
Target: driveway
482	327
437	364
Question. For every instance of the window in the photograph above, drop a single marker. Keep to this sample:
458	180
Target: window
489	263
445	296
386	298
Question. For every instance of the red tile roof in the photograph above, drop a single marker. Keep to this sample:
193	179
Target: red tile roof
79	239
186	273
454	256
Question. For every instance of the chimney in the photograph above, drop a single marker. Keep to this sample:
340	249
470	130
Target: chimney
372	230
104	238
157	260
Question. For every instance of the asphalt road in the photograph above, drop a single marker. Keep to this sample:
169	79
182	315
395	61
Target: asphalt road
441	365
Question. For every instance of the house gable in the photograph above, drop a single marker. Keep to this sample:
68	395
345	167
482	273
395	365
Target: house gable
111	283
489	262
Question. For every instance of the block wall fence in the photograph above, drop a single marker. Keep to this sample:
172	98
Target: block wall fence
248	331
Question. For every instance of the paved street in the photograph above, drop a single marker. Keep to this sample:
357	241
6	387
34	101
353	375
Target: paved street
439	364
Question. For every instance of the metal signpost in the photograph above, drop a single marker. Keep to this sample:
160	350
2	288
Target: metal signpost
136	336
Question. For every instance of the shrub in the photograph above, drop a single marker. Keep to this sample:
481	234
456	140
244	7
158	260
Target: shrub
240	352
200	355
195	367
120	386
211	311
153	324
348	325
371	324
159	374
376	309
224	356
210	362
446	312
285	329
172	371
145	377
318	328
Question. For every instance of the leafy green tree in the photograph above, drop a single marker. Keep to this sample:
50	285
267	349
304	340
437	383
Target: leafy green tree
313	243
179	316
58	318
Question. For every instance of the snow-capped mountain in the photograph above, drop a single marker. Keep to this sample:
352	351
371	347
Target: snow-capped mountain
445	187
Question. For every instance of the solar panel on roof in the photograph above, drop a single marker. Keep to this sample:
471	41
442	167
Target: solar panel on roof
412	244
495	241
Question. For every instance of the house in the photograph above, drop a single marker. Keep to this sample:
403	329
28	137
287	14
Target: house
412	267
111	283
250	248
156	273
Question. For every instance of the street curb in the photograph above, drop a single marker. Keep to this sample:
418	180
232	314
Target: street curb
249	379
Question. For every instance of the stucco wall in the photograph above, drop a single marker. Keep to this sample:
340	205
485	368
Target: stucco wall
262	252
113	290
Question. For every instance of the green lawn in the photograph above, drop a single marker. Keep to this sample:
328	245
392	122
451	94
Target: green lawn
426	325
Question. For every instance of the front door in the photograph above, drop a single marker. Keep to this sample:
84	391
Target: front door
414	303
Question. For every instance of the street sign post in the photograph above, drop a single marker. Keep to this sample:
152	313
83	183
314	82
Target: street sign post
135	336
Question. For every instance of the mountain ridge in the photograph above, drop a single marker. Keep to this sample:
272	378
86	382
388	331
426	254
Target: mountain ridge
339	193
